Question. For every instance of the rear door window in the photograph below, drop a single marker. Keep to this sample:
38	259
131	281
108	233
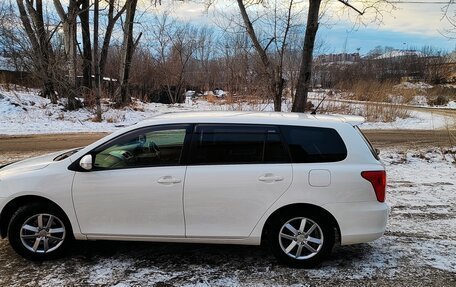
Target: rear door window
314	144
236	144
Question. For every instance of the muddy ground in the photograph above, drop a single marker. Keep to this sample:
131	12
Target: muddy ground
418	248
380	138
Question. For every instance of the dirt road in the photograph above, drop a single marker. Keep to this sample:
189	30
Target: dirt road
380	138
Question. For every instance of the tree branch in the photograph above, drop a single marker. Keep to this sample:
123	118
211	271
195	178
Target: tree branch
60	11
253	36
345	2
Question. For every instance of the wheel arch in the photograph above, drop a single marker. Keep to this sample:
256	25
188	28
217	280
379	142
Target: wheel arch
307	207
12	206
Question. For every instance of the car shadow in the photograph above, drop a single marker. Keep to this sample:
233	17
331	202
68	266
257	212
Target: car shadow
203	254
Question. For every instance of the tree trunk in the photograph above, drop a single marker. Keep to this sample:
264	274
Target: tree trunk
276	81
127	51
305	73
278	89
108	33
38	37
86	46
96	63
69	24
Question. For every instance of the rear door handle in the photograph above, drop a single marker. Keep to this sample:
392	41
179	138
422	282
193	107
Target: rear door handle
168	180
270	177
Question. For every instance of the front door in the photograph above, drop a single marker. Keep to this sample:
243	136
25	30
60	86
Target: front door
136	185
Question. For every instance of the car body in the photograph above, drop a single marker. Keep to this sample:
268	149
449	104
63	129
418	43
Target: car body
204	177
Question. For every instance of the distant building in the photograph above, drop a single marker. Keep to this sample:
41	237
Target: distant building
12	73
338	58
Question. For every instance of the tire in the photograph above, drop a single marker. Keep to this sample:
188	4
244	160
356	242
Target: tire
301	240
39	232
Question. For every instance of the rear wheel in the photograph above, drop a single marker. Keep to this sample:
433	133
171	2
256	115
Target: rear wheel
301	240
39	232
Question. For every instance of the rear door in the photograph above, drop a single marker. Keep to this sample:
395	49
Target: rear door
235	173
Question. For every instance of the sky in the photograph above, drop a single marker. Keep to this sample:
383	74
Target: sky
404	26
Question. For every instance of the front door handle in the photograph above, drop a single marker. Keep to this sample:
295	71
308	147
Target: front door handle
270	177
168	180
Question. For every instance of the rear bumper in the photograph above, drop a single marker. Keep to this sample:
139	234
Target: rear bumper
359	222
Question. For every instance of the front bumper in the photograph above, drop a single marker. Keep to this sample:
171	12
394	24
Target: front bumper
3	202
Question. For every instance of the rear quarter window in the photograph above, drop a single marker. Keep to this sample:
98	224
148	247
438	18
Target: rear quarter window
368	143
314	144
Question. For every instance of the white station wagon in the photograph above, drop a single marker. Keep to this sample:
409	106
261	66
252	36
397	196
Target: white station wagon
297	182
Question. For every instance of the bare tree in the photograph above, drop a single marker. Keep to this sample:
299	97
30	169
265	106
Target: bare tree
203	54
96	63
69	24
273	69
302	87
31	15
113	16
305	74
449	13
84	15
128	48
100	57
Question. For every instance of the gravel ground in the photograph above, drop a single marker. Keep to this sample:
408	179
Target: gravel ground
418	248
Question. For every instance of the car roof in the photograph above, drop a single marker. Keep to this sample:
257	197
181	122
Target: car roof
252	117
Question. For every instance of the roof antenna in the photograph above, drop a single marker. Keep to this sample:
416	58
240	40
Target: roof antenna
314	112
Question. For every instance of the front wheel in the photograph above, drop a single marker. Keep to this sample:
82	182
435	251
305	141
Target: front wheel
301	240
39	232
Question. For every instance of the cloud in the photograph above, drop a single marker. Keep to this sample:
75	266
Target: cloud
416	19
414	24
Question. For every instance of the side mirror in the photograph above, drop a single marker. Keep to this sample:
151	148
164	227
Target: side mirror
86	162
377	151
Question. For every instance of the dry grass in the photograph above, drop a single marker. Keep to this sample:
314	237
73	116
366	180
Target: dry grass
112	120
372	91
389	92
372	112
96	119
211	99
137	106
407	95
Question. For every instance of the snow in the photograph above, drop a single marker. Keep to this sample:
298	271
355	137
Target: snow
417	120
419	101
399	53
27	113
418	246
24	112
409	85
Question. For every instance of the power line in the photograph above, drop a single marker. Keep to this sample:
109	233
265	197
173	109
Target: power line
421	2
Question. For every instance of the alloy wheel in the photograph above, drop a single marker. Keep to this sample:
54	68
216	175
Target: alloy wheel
42	233
301	238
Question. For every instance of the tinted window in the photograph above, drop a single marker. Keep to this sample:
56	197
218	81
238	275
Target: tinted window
371	148
312	144
146	147
236	144
274	151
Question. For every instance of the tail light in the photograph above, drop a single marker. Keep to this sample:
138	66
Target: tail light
378	180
